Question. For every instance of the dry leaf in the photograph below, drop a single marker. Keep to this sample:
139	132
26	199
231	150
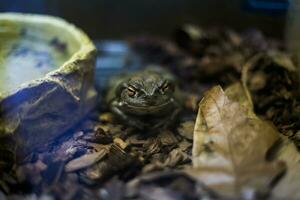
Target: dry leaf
289	186
230	146
237	93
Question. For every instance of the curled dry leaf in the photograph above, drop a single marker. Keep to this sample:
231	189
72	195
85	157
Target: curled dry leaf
283	60
230	146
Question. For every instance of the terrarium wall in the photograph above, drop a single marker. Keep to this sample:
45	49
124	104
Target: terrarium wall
115	18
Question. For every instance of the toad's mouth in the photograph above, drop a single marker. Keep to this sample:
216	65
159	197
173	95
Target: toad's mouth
147	108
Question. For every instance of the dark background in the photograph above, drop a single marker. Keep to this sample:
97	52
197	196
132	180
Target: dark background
119	18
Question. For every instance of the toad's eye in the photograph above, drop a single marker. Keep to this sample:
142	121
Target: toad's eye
131	91
165	87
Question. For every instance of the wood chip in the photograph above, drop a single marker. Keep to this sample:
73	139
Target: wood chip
186	129
84	161
120	143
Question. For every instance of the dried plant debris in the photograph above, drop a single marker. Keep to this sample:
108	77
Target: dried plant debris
288	187
236	144
271	79
224	157
167	185
84	161
206	57
91	156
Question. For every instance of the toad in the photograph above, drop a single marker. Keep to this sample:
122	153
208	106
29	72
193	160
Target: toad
147	99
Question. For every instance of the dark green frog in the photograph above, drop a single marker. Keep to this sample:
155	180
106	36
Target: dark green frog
147	99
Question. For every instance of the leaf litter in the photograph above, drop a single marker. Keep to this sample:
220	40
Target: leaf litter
239	143
230	147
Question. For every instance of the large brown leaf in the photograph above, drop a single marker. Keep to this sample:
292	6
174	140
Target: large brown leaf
230	146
